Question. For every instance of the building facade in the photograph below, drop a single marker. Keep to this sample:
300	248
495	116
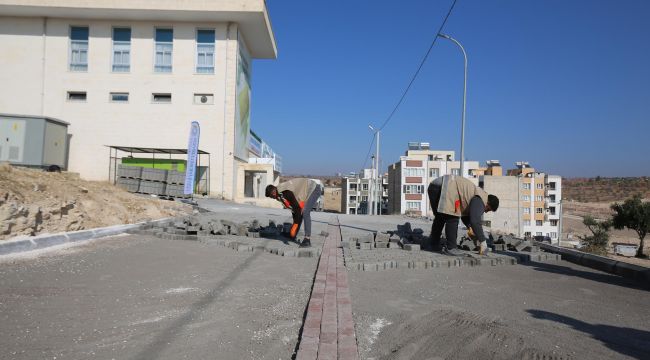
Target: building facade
356	193
530	202
137	73
409	178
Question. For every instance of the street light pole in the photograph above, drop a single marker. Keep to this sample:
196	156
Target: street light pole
376	192
462	129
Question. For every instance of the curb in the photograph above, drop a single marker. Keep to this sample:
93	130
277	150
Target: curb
627	270
47	240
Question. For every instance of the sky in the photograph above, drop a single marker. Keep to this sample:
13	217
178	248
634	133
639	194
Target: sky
564	85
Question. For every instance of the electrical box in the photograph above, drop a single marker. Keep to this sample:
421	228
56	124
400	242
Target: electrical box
33	141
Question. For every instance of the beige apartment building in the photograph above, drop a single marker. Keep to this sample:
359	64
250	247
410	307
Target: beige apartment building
530	201
136	73
409	178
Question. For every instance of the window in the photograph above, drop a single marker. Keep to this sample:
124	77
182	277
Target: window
539	198
539	185
353	198
413	205
204	99
539	222
364	198
162	98
553	235
205	51
527	234
553	222
413	189
551	198
353	187
526	210
414	172
551	210
539	210
551	185
79	48
455	172
364	187
121	49
119	97
434	173
526	222
430	157
538	234
163	51
526	198
77	95
526	186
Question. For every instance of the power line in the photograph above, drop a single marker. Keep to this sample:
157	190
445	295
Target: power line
368	154
417	72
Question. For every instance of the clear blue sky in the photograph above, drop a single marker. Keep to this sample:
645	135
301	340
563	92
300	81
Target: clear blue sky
562	84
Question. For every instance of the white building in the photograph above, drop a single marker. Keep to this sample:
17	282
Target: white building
356	191
136	73
409	178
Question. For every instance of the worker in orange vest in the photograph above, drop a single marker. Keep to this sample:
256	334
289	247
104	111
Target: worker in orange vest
300	195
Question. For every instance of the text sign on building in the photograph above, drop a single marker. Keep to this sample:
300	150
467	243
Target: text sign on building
192	153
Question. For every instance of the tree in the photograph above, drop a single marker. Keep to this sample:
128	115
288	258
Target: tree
598	241
633	214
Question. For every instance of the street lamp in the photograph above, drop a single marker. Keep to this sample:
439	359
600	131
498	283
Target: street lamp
462	129
377	195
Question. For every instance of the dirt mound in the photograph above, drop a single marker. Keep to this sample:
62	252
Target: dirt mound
34	202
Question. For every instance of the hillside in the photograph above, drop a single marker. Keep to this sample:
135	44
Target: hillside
604	189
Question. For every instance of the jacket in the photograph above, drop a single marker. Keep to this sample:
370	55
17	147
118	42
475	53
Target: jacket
456	194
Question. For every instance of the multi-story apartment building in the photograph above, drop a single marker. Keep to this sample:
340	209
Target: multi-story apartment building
409	178
136	73
530	201
356	197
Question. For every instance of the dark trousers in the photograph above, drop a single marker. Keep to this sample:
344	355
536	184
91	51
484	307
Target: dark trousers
449	222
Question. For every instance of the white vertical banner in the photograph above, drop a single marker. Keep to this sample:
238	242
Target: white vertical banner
192	153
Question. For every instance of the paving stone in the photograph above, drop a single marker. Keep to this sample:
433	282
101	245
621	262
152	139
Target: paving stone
412	247
365	246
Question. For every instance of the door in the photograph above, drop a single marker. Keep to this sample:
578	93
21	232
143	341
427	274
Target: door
13	140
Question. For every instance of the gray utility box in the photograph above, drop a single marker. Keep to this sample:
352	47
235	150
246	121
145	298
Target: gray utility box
33	141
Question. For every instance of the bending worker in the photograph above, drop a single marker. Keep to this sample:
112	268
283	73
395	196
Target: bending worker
300	195
452	198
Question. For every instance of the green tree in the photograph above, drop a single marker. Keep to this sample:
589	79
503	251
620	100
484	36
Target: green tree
633	214
598	241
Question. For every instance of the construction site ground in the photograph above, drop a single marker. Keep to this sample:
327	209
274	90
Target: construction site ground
141	297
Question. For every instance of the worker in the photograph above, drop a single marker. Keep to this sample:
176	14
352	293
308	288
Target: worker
300	195
452	198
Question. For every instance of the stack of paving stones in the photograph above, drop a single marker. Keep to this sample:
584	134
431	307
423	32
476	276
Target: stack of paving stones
164	183
250	236
402	249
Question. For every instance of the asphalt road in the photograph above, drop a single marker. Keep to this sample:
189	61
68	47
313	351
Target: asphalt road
139	297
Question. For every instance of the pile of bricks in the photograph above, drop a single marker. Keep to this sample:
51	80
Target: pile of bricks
403	238
211	230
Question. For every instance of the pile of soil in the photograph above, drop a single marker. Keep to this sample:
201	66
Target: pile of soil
34	202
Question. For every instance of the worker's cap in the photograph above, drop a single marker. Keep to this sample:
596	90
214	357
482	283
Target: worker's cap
493	202
269	190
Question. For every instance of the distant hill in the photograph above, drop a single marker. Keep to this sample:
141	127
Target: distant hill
601	189
327	180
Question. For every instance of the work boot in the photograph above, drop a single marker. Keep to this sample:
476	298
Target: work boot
483	248
305	243
453	252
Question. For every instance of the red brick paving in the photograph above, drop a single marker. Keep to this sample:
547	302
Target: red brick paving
328	332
